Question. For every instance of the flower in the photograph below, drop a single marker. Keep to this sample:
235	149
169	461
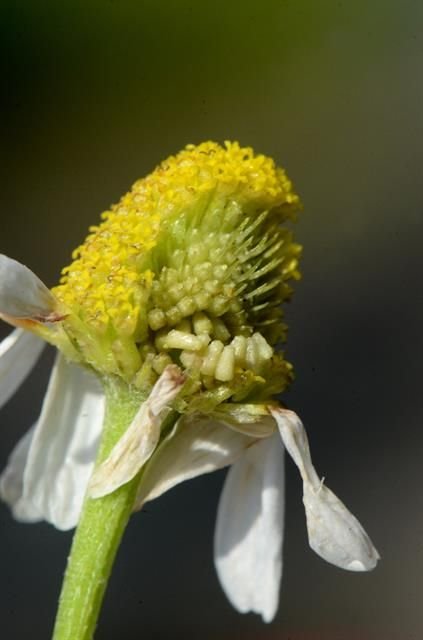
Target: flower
176	297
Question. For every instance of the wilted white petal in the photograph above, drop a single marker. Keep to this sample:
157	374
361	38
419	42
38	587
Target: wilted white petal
22	294
252	419
140	439
62	452
11	482
249	529
333	532
197	445
19	352
296	442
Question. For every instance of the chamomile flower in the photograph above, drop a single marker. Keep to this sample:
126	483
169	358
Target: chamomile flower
169	325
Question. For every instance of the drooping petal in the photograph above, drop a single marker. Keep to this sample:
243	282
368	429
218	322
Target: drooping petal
249	529
252	419
19	352
63	448
140	439
197	445
22	294
333	532
11	482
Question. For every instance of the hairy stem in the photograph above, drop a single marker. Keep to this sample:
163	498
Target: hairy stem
99	532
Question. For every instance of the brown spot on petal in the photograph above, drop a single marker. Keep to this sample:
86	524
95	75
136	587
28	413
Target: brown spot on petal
30	324
54	316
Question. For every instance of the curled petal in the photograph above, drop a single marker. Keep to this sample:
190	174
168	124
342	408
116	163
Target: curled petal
18	354
333	532
249	529
197	445
62	450
140	439
23	295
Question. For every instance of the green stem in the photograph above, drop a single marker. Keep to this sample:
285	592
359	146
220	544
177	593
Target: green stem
99	532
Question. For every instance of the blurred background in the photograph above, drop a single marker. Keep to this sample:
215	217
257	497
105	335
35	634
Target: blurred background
95	95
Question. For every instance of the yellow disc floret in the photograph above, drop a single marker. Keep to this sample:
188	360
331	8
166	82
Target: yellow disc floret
198	244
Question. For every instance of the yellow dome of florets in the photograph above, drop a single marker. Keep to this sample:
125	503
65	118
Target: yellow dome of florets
197	243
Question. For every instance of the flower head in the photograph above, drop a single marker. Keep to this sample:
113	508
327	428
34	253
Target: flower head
191	266
174	302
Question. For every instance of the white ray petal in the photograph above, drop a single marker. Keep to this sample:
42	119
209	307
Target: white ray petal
197	445
19	352
22	294
11	482
252	419
140	439
249	529
64	445
333	532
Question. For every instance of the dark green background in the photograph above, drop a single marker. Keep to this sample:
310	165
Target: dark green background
95	95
